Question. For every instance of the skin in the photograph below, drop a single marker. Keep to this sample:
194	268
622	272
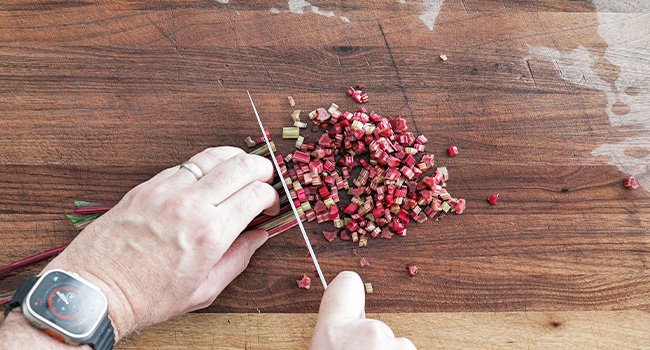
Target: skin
173	243
342	322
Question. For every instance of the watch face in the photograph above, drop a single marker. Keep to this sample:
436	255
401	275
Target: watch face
67	303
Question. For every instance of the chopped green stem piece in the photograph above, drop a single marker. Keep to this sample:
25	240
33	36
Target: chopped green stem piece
290	132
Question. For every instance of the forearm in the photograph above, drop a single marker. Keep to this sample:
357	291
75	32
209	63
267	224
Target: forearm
16	333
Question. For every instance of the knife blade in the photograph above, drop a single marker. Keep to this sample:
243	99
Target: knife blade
286	191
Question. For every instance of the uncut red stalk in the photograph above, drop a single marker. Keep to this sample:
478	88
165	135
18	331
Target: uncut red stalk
7	298
275	221
31	260
95	209
262	218
87	210
281	228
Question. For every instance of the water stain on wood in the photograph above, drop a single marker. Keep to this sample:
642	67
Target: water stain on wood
637	152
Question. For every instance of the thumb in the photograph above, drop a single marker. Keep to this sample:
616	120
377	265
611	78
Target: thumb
344	299
232	264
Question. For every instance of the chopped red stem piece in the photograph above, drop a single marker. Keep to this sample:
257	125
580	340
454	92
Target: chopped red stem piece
363	262
452	151
305	282
630	183
413	269
250	142
329	235
493	199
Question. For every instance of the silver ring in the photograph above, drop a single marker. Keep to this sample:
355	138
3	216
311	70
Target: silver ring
196	171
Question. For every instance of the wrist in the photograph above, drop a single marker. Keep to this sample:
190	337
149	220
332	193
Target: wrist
119	311
17	333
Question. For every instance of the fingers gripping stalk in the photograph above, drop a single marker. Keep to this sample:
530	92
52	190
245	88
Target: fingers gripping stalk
286	190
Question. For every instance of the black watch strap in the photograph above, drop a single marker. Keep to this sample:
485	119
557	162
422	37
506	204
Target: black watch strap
104	337
21	294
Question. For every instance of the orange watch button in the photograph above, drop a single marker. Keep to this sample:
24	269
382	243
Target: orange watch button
54	335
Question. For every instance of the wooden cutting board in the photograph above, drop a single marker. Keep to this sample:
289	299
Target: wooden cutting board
546	101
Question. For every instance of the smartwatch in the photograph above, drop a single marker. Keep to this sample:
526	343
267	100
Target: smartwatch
66	307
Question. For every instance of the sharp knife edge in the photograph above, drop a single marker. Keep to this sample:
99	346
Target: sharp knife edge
286	190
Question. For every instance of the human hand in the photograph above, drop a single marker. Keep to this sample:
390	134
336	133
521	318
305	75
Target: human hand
173	243
342	322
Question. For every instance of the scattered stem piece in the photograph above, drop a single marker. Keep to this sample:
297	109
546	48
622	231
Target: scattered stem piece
630	183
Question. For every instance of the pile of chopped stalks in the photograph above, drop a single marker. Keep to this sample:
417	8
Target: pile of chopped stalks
392	187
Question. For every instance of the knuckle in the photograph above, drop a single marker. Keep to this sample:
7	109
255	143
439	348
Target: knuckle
205	231
147	192
263	193
177	207
220	152
376	329
134	193
207	238
214	155
256	166
246	163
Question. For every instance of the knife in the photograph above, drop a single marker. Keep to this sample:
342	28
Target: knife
286	191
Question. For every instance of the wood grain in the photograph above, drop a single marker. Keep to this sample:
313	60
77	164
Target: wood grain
604	330
96	97
539	330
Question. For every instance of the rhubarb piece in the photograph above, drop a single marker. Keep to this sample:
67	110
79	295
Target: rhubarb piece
250	143
301	157
368	287
292	102
358	95
354	251
344	235
386	233
493	199
329	235
452	151
363	241
363	262
413	269
630	183
290	132
460	207
443	57
305	282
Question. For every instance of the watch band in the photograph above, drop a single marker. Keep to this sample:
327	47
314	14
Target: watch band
21	293
104	337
